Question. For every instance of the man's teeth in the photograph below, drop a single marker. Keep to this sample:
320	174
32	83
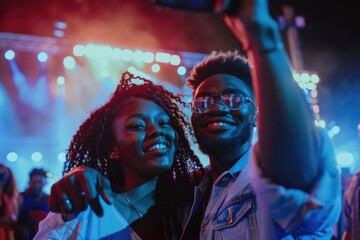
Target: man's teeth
159	146
216	124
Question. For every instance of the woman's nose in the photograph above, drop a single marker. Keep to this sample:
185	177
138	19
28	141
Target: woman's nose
156	131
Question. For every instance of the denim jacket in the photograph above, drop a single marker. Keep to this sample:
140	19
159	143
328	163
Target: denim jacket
246	205
231	212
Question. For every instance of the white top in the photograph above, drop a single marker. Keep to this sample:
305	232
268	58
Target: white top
87	225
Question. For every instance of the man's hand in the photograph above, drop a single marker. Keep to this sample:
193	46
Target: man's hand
253	26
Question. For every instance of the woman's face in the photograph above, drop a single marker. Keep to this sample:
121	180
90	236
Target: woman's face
4	176
144	139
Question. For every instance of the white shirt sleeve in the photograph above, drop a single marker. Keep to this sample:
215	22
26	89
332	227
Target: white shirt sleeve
87	225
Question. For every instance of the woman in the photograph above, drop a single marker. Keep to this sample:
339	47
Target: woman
8	203
139	141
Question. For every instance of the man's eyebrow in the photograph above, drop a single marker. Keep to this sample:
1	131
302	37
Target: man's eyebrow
225	91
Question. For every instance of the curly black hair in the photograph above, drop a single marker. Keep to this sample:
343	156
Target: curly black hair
217	62
92	144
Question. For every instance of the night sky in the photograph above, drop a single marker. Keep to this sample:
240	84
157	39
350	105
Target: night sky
330	46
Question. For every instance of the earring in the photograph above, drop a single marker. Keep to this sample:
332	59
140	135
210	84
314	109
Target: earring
114	155
254	117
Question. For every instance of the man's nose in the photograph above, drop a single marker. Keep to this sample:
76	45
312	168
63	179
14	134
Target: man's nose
219	107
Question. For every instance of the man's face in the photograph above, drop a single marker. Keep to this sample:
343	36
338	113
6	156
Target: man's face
220	130
36	185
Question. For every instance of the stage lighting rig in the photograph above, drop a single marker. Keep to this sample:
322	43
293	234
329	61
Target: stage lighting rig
211	6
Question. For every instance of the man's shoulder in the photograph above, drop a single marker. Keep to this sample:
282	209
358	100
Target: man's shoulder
45	196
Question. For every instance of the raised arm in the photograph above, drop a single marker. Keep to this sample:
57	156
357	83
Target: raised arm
289	142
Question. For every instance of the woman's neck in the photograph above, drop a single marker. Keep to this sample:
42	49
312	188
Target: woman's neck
135	203
133	181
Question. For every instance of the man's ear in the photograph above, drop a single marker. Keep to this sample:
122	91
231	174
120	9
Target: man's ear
176	139
256	110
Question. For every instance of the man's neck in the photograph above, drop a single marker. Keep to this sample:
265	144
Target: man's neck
220	164
35	196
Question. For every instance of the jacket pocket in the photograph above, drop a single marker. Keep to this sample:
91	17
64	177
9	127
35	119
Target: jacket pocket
237	218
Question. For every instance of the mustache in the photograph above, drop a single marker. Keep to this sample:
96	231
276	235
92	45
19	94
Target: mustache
221	145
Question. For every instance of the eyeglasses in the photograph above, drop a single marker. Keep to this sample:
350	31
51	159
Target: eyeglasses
4	177
233	101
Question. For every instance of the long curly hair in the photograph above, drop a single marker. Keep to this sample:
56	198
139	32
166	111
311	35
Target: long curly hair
92	144
230	62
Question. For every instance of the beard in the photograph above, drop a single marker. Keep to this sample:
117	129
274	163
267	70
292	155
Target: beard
223	146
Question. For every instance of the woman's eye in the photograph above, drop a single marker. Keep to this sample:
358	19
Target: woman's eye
165	123
136	126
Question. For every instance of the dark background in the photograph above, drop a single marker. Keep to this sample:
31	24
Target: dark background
328	42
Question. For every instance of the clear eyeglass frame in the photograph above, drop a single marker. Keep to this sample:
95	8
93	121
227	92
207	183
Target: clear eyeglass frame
233	101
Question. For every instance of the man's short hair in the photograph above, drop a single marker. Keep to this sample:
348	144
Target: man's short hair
218	62
38	171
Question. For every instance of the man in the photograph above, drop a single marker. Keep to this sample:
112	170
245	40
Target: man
287	185
33	205
279	188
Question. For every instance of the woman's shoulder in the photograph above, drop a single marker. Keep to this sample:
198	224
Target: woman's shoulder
83	224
